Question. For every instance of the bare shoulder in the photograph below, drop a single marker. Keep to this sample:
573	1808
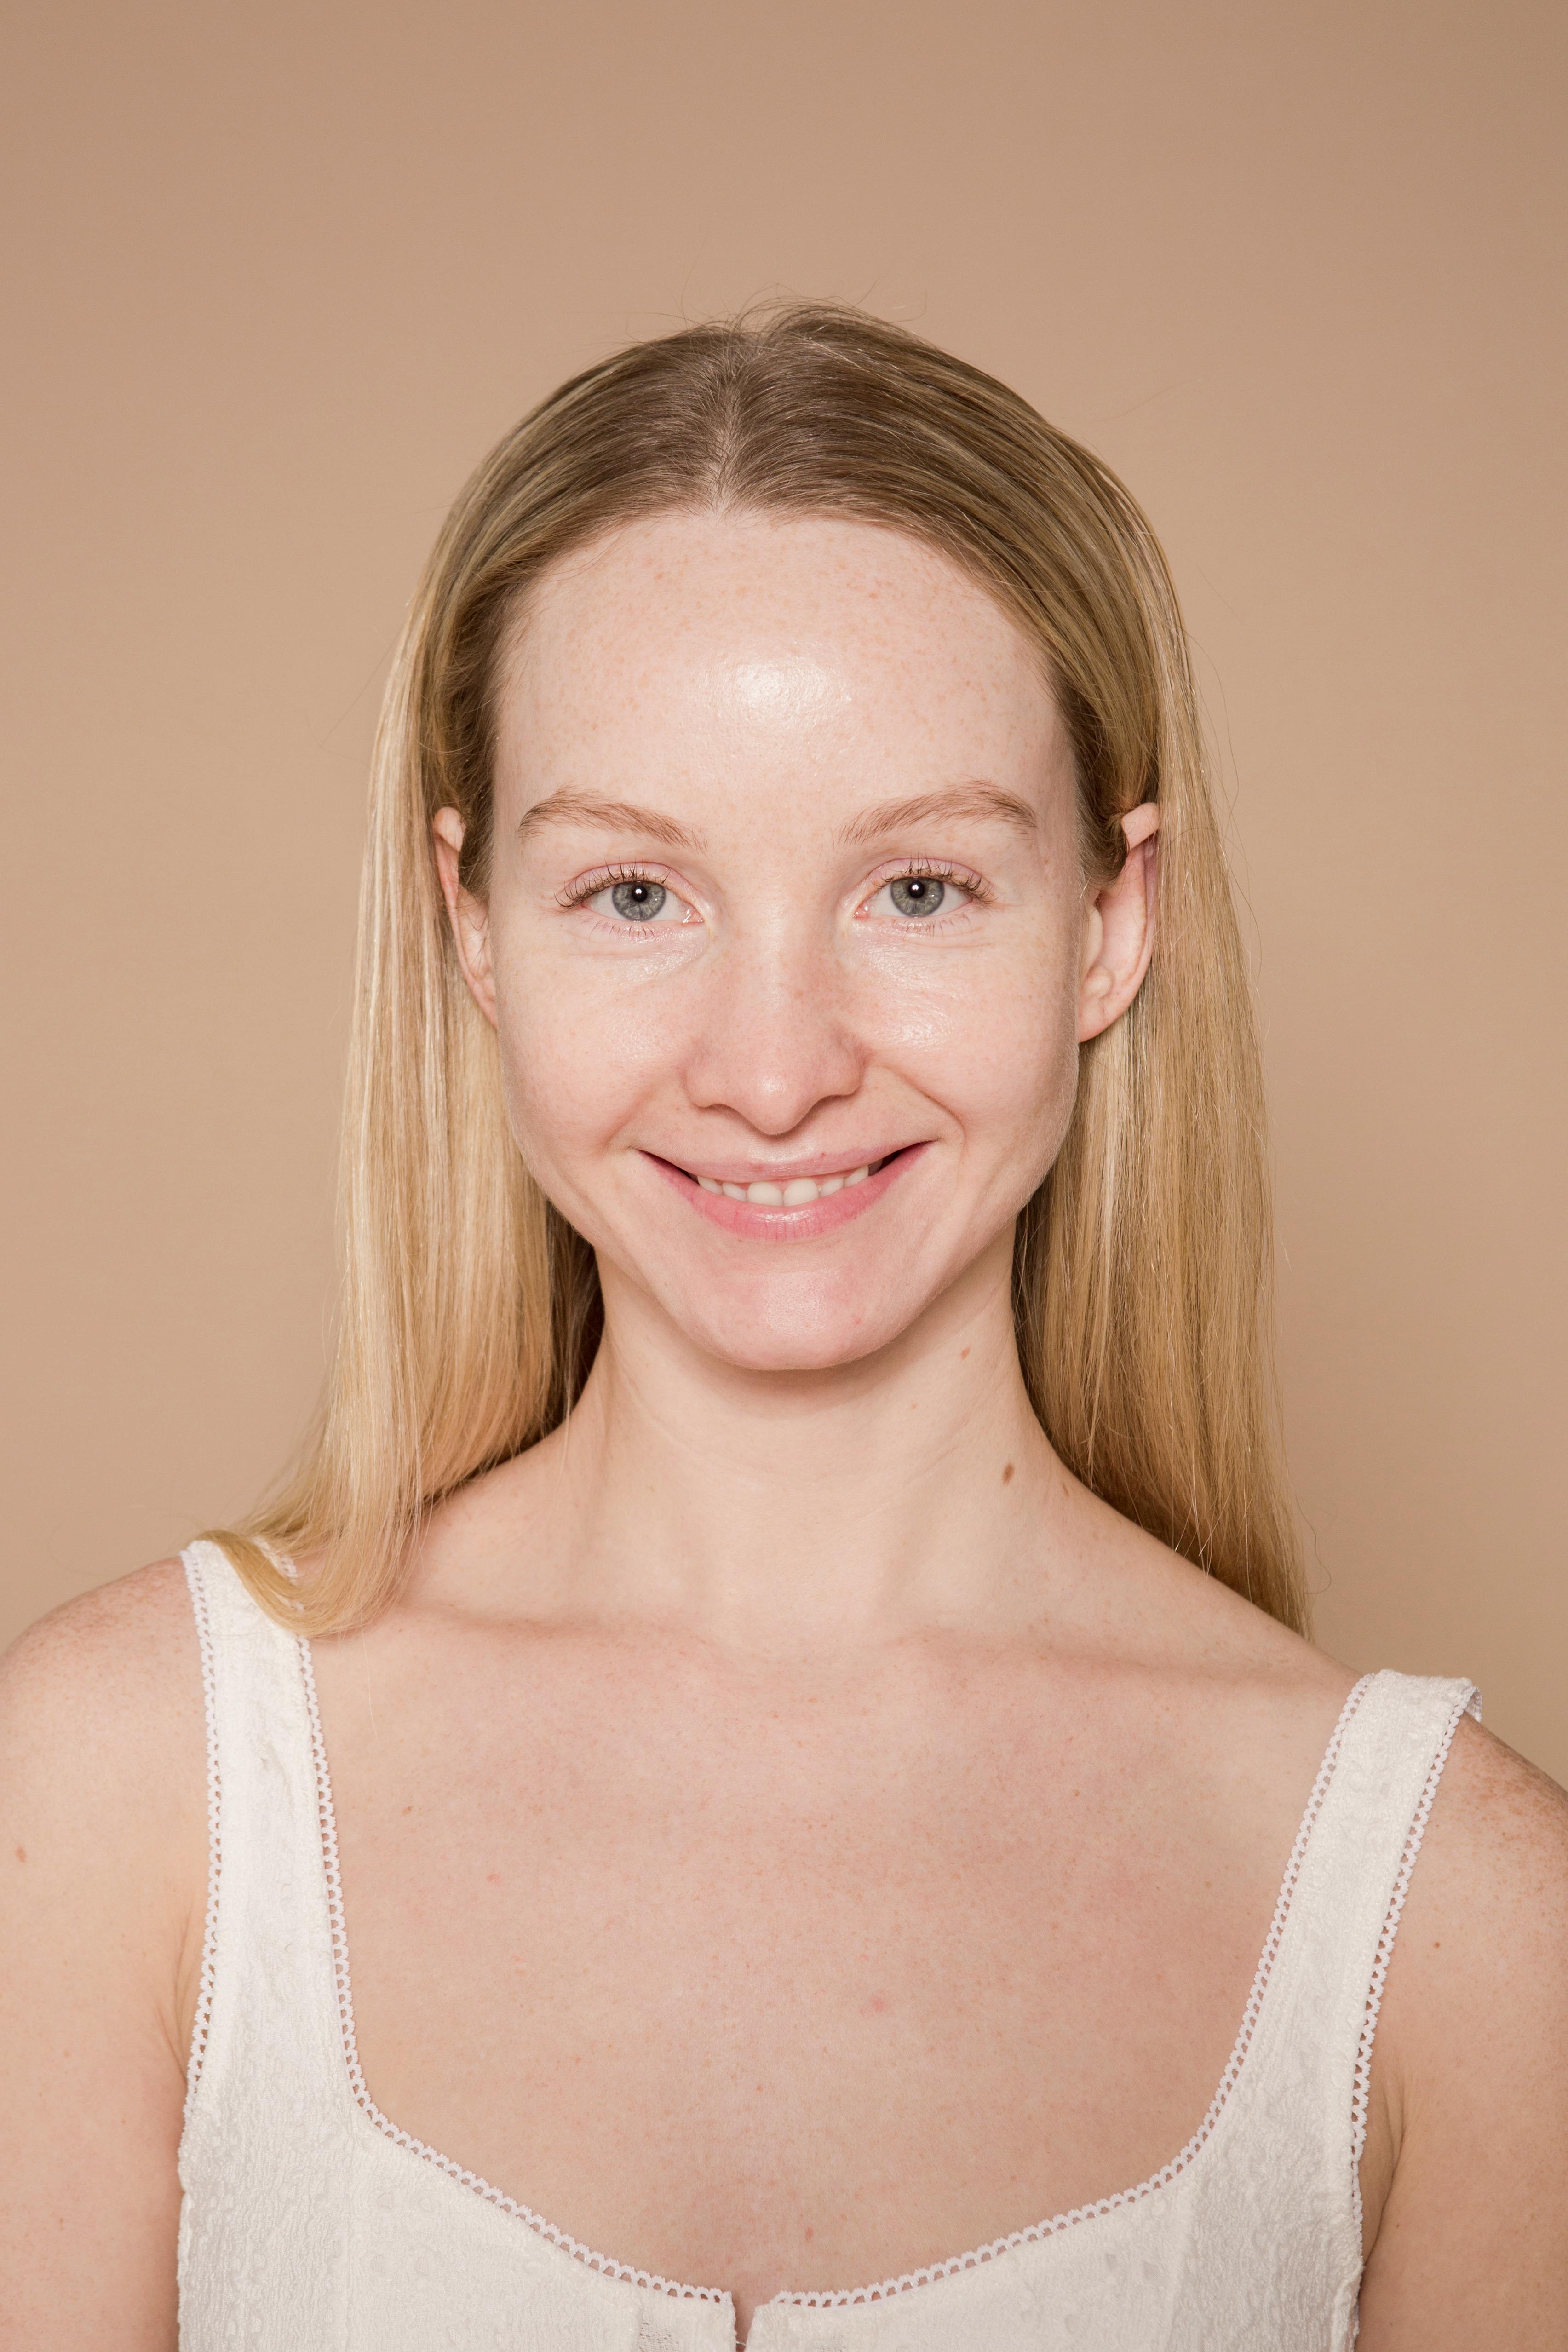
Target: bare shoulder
1489	1790
1470	2069
1487	1905
121	1662
102	1886
103	1829
1481	1958
101	1718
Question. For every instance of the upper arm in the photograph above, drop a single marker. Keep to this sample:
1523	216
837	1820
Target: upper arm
102	1876
1472	2244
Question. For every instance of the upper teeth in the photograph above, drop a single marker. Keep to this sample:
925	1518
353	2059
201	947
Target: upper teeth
793	1195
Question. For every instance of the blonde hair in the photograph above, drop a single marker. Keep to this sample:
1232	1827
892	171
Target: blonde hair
1143	1265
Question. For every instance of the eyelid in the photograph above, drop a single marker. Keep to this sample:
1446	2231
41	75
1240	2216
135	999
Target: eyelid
605	877
929	870
937	870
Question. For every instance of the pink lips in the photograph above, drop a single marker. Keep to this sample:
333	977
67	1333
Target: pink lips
758	1221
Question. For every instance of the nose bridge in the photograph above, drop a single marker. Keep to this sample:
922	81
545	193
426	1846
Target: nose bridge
776	1035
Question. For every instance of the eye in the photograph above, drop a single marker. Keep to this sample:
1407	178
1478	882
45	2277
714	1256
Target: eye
917	895
637	902
630	900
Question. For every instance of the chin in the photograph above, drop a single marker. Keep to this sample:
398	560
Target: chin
790	1335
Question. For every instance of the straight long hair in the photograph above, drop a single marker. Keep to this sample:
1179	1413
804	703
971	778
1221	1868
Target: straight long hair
1143	1265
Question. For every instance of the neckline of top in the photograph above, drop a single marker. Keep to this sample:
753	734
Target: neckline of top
813	2299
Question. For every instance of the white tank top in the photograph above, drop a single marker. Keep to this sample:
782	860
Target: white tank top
311	2223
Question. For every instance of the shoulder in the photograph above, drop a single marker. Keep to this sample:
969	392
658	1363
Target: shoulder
1470	2243
103	1828
102	1712
1487	1905
1475	2012
1489	1788
102	1886
118	1659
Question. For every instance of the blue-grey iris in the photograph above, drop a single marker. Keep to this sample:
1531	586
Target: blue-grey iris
638	901
917	893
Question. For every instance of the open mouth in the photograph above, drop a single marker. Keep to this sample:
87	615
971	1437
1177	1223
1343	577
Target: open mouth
799	1189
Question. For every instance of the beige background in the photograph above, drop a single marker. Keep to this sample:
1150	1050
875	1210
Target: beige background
277	276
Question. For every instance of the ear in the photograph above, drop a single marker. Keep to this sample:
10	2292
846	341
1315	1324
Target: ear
469	916
1119	930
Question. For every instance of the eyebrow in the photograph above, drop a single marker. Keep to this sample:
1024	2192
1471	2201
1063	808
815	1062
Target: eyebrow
567	807
932	808
977	800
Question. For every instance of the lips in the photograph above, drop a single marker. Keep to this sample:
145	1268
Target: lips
789	1208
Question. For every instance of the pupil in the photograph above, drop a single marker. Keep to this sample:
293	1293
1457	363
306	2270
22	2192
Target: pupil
639	902
917	893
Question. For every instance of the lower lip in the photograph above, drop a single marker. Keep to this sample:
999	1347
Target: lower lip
758	1221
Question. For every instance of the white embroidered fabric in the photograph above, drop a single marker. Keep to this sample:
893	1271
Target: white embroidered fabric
311	2223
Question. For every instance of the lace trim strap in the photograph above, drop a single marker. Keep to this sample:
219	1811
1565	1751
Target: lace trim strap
196	1584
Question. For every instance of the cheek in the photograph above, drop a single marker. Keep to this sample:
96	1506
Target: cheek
1020	1089
579	1050
994	1042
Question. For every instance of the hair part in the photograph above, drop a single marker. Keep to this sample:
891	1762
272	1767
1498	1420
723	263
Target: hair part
1143	1265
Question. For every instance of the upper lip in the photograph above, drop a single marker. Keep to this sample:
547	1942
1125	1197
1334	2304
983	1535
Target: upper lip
815	1164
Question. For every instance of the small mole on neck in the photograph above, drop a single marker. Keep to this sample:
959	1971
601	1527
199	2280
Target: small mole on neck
1007	1472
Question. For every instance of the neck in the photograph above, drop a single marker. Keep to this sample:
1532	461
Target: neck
800	1512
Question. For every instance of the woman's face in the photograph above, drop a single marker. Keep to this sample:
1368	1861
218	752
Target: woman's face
787	941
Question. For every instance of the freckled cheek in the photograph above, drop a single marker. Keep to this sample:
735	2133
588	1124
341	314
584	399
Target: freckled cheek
1012	1093
995	1046
578	1059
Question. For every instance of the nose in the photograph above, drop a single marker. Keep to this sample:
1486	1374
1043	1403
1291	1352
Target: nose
776	1034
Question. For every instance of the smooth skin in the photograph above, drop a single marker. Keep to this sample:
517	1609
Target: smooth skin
791	1832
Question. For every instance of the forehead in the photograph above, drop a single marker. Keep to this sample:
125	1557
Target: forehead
685	633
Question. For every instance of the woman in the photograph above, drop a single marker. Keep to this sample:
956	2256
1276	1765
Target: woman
792	1580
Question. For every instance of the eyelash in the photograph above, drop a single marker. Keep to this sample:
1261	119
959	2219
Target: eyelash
925	869
605	877
933	870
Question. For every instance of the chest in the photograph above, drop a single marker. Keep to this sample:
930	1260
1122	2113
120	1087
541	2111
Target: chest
761	1985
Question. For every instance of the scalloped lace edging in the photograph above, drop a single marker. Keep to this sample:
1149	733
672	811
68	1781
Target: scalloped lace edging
465	2179
201	2025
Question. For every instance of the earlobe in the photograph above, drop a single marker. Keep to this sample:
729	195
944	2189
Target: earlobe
469	916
